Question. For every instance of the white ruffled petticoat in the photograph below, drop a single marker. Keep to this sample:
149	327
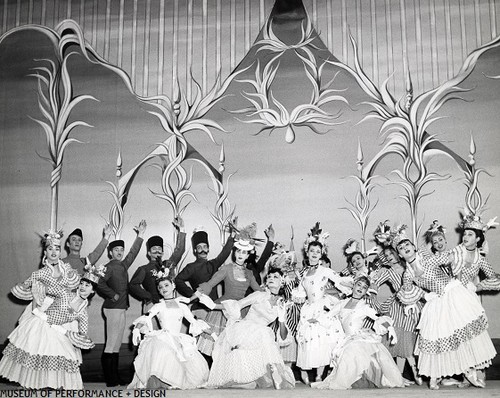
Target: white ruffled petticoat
173	358
453	334
39	356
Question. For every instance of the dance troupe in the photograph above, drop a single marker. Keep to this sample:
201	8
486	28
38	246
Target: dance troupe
275	315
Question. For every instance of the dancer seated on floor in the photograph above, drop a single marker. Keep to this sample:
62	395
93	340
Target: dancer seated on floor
246	354
168	358
360	354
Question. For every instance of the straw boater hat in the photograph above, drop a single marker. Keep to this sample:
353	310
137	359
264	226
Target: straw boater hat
245	238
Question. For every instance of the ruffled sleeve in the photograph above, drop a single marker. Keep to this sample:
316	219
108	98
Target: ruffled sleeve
80	339
409	293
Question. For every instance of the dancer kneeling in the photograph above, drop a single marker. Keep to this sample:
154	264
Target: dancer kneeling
168	358
246	354
361	354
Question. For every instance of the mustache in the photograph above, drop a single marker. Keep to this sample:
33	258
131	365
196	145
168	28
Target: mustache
203	251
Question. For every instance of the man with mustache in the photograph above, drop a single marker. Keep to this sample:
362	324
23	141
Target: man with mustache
202	269
143	283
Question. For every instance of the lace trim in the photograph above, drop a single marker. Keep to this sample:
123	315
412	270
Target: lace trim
40	362
459	336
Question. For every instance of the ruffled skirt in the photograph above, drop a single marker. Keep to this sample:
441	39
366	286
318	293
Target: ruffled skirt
361	356
316	340
172	358
247	352
453	334
38	356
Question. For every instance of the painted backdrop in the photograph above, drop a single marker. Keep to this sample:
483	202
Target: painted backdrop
289	112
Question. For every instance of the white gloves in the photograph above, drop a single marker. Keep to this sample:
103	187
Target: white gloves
411	308
182	299
39	314
59	328
281	311
136	336
207	301
392	335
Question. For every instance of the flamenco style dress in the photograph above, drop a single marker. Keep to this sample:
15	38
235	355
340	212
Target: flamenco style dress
360	353
168	358
247	351
453	335
39	355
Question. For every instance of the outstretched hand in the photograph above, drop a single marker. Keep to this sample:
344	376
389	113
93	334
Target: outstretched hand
141	228
178	223
269	232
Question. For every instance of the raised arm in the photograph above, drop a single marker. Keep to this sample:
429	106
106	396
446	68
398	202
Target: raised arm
180	244
97	253
136	246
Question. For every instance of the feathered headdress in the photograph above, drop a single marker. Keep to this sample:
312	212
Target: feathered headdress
473	221
434	229
52	238
317	235
93	272
382	234
351	246
399	235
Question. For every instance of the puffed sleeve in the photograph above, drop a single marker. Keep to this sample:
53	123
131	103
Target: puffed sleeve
409	293
492	281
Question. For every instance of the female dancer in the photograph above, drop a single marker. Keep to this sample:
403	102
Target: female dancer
168	358
469	261
246	354
436	238
453	336
238	277
317	332
405	324
44	349
360	353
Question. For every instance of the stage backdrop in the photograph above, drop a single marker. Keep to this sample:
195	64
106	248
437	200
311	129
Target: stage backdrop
287	113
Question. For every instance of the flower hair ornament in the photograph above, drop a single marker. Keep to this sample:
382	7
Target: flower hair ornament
382	234
93	272
317	235
434	229
161	274
351	246
52	238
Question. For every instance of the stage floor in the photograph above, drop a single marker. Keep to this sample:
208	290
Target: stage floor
301	391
